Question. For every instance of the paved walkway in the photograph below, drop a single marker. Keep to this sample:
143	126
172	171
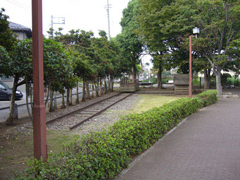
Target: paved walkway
206	146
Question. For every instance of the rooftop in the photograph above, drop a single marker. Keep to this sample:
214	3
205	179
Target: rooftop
18	27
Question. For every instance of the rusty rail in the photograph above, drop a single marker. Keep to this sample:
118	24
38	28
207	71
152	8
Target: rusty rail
99	112
81	109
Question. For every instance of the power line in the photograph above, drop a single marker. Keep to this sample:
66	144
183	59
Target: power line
18	4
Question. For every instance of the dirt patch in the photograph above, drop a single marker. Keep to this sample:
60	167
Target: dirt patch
15	150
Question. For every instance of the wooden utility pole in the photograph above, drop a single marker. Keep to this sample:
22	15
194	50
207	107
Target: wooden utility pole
39	114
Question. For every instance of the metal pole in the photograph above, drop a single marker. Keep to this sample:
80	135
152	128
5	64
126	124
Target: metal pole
52	25
108	13
39	115
190	66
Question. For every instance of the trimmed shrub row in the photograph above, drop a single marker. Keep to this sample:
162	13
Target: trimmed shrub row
208	97
102	155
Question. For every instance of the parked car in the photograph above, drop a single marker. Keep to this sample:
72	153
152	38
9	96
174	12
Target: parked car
6	92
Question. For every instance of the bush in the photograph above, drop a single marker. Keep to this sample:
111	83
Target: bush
208	97
102	155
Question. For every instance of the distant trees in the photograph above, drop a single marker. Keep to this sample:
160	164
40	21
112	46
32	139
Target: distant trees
93	58
166	25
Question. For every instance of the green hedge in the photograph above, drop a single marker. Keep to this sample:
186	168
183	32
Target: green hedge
208	97
105	154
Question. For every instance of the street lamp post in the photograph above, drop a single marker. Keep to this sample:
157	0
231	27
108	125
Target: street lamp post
196	31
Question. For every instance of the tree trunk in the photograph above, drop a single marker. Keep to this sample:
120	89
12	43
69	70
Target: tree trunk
207	78
105	86
51	107
97	88
159	76
100	92
68	92
92	96
134	67
63	101
84	92
70	97
112	83
12	110
109	84
27	87
77	101
218	81
87	90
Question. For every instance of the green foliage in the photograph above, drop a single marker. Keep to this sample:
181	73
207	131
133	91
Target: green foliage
58	66
166	26
129	39
208	97
4	59
17	63
102	155
224	78
7	39
233	81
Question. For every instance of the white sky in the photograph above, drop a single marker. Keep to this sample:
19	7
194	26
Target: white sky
79	14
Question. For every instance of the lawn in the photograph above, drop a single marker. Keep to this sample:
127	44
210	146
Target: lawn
150	101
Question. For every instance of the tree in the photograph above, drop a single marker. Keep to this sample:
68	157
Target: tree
78	41
152	19
173	22
7	39
58	66
219	23
129	39
234	54
106	59
17	64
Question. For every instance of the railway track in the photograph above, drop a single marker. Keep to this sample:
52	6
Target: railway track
86	113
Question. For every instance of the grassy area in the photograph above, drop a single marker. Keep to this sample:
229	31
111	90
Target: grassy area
150	101
56	140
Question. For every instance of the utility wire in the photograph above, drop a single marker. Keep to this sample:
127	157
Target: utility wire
18	4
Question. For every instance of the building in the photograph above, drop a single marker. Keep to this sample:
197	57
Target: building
21	31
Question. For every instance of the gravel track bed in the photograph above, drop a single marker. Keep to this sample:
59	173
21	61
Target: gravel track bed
98	123
108	118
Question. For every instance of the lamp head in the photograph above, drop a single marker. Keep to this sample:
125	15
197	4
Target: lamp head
196	31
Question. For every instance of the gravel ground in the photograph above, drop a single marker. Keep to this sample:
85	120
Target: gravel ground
109	117
98	123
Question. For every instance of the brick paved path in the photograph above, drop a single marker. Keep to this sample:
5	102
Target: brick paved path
206	146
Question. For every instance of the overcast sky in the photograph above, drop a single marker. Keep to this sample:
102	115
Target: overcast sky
79	14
